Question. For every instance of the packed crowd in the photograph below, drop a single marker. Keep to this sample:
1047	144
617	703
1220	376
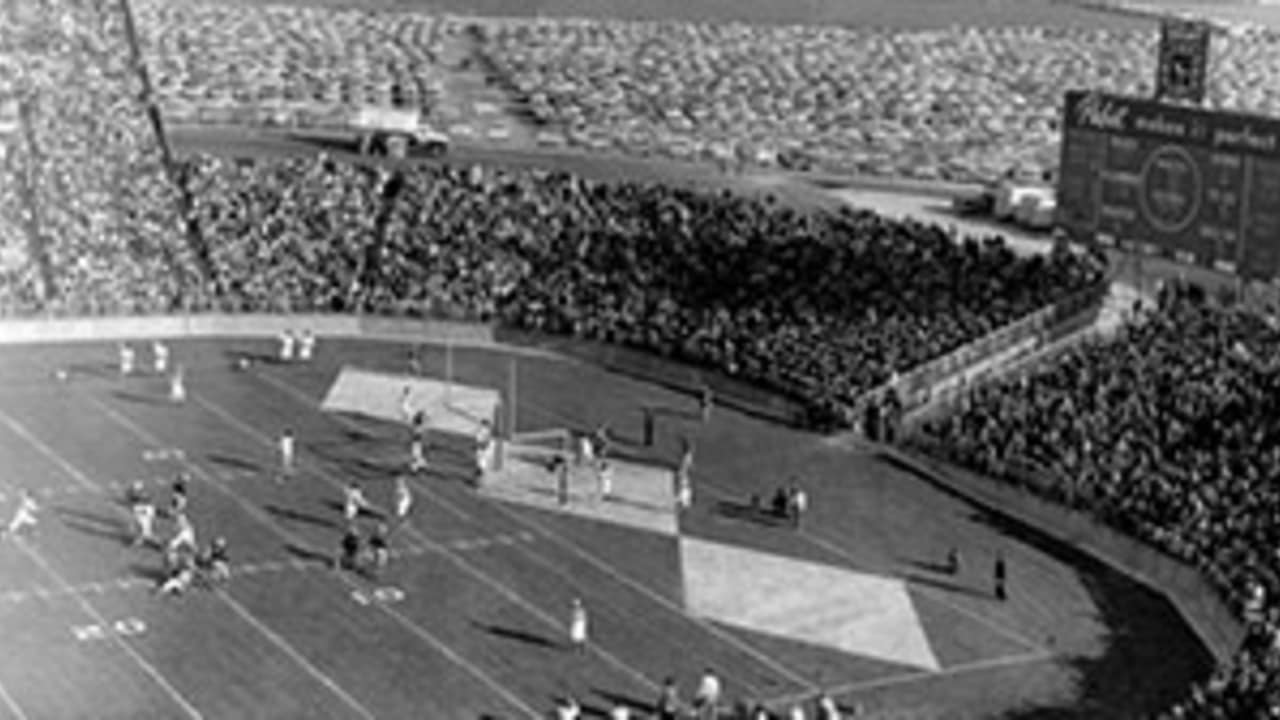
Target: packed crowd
1171	433
819	306
82	173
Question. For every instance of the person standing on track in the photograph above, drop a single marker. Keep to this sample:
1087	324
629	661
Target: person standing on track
178	386
668	705
160	357
604	474
126	359
578	627
286	455
349	551
286	346
1000	574
306	346
406	405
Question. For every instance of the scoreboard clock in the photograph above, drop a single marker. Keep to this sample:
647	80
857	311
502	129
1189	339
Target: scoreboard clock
1194	184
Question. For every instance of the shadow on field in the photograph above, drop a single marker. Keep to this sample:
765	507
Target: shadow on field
1151	655
307	554
950	587
635	704
748	512
298	516
523	636
152	573
230	461
141	399
89	523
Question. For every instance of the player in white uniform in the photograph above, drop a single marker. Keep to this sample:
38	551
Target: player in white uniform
578	627
126	359
160	357
706	701
604	474
286	346
417	455
403	500
286	455
178	386
24	516
353	501
406	405
683	490
181	575
144	515
484	448
184	537
306	346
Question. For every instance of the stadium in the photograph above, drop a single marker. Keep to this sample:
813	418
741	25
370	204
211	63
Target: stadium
478	360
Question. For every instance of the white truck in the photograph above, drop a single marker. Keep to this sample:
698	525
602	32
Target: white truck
396	132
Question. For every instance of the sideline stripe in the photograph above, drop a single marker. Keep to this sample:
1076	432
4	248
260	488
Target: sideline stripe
498	586
12	704
924	675
417	630
35	442
147	667
293	653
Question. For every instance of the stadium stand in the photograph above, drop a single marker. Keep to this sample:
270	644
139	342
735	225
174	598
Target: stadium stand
1172	431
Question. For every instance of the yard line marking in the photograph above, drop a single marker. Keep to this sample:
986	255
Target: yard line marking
92	612
621	577
458	560
309	401
821	541
923	675
21	431
414	628
12	704
293	653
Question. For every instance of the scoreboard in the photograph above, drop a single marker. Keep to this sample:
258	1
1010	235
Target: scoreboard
1201	186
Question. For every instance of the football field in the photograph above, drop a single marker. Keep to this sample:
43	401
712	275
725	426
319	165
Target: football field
469	619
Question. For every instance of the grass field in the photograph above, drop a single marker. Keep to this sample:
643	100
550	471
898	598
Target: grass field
470	621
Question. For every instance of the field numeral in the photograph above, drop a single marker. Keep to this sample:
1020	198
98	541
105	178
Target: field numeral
162	454
387	595
128	627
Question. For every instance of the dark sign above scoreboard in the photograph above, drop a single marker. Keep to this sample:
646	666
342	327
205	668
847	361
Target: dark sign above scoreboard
1183	60
1199	185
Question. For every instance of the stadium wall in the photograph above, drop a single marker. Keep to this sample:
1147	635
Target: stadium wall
1200	605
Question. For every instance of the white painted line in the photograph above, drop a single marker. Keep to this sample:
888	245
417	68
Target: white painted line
923	675
293	653
311	402
21	431
147	667
417	630
621	577
502	589
12	704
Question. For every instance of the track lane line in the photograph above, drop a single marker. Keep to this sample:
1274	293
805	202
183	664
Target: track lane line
414	628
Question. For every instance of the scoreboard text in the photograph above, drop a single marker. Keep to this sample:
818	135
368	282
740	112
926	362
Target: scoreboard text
1202	186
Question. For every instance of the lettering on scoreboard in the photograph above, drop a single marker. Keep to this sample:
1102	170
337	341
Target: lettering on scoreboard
1199	185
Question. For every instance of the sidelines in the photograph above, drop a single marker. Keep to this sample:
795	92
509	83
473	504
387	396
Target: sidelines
417	630
924	675
820	541
12	704
92	612
502	589
621	577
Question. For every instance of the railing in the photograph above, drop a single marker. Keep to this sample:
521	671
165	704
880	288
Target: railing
920	386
